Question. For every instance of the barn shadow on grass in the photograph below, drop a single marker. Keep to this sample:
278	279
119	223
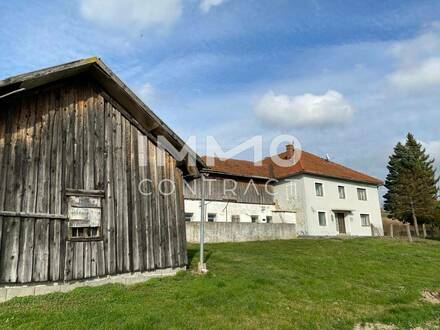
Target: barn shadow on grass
193	255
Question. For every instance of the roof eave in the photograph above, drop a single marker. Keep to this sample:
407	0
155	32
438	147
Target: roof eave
302	172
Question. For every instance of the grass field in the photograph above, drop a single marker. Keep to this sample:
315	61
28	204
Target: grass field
303	284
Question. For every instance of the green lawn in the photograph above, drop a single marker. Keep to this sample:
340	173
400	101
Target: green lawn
303	284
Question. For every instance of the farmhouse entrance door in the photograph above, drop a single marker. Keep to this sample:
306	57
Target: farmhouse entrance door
340	220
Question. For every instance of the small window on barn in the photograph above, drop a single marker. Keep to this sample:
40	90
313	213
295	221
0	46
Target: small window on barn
254	218
321	219
84	213
212	217
365	220
319	189
235	218
268	219
362	194
189	217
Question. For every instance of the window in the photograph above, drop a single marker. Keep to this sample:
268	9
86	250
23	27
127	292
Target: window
188	217
321	218
362	194
235	218
84	232
365	220
341	190
268	219
212	217
84	213
319	189
254	218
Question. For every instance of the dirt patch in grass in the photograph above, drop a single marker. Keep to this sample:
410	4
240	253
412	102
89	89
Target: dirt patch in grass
432	297
374	326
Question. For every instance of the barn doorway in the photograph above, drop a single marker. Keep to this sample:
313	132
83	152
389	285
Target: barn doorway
340	222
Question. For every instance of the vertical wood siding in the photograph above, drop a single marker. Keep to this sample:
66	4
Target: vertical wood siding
72	136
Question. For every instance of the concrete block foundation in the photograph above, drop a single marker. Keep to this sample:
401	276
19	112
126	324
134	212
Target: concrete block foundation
8	292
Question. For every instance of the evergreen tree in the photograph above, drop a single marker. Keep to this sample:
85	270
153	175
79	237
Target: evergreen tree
411	183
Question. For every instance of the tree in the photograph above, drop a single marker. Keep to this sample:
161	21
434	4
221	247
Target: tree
411	183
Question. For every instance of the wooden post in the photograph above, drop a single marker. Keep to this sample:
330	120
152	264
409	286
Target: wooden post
202	266
424	230
408	231
391	230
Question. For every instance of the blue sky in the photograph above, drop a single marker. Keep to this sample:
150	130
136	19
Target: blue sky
347	78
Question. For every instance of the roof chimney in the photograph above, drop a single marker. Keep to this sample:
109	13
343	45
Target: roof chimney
289	151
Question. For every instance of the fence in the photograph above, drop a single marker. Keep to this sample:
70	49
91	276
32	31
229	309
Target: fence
407	231
216	232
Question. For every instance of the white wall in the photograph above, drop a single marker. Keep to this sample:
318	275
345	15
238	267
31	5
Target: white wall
225	210
304	201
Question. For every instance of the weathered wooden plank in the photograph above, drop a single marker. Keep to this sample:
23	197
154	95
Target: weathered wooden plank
164	225
99	132
174	242
155	207
78	153
85	202
118	192
69	260
28	200
89	142
109	206
144	204
101	258
124	189
93	258
55	189
69	137
33	215
169	220
11	227
3	159
87	260
138	233
41	243
83	192
6	155
78	265
181	217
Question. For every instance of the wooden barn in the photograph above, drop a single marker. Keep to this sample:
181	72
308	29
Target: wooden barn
80	169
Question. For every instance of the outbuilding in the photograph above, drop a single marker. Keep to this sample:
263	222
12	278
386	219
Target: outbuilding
80	174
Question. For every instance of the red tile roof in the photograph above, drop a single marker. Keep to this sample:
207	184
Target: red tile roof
307	164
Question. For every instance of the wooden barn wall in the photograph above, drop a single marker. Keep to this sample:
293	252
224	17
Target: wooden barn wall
71	136
245	192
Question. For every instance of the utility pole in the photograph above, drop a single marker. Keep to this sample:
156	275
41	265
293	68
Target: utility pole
202	266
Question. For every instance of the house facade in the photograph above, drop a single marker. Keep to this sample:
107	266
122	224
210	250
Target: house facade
330	206
321	197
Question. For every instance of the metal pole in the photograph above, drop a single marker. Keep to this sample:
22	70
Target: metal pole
202	265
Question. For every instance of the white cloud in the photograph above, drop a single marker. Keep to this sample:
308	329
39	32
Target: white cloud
418	76
433	149
418	61
132	15
286	111
206	5
146	92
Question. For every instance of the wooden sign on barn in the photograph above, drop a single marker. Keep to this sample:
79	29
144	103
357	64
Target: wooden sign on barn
79	175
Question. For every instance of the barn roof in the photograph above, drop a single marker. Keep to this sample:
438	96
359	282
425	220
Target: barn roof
308	163
111	83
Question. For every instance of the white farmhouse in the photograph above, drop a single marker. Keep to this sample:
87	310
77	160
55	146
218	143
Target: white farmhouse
322	197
